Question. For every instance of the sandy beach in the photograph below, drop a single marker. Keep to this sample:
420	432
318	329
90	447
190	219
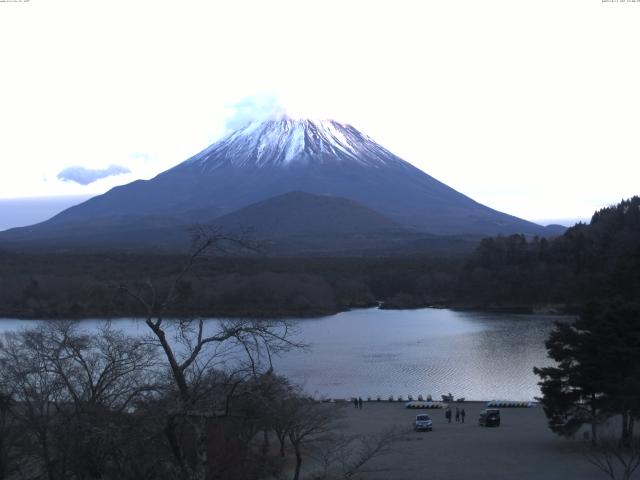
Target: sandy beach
521	448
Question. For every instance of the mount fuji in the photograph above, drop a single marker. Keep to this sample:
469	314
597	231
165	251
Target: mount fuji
322	158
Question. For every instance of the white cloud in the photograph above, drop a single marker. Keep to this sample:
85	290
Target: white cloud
250	109
85	176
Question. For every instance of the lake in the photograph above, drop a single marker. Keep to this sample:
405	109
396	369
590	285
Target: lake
373	352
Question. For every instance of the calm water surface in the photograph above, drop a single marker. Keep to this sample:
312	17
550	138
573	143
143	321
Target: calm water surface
373	352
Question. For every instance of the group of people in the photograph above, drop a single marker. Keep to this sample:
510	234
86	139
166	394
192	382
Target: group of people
460	414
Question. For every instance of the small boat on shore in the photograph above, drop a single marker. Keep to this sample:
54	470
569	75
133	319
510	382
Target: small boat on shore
509	404
419	404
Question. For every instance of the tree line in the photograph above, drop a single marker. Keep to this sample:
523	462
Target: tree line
80	286
599	260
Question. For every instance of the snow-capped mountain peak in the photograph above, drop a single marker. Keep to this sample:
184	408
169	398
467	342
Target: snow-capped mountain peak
286	141
269	160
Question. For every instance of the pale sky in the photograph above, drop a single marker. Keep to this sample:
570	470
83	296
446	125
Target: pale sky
530	107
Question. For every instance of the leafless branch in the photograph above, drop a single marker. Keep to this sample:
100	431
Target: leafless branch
613	458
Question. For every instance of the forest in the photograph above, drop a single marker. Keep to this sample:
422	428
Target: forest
599	260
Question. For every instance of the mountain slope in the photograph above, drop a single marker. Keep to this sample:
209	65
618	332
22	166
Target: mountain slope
301	213
271	158
120	232
298	222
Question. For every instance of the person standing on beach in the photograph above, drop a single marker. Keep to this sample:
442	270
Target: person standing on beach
447	414
462	415
360	402
457	414
355	402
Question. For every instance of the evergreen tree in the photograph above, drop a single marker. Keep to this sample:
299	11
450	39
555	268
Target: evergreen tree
597	373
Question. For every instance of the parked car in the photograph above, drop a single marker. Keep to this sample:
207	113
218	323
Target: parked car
423	423
489	418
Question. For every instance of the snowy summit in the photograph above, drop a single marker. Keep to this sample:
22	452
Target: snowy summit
285	141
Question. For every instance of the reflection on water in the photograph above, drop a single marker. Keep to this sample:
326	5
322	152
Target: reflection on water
374	352
382	352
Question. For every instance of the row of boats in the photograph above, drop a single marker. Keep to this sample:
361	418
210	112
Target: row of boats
491	404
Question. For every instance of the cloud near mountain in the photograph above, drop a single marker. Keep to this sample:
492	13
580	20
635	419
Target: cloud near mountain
249	109
85	176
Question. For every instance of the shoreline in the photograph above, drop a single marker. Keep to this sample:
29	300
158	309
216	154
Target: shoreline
303	315
534	403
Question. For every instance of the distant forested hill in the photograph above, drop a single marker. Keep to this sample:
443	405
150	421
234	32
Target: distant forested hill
599	260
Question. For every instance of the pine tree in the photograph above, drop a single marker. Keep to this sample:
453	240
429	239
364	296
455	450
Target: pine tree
597	373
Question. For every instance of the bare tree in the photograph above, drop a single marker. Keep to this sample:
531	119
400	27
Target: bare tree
10	436
345	457
37	392
192	347
617	460
107	370
366	449
280	409
309	422
70	390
